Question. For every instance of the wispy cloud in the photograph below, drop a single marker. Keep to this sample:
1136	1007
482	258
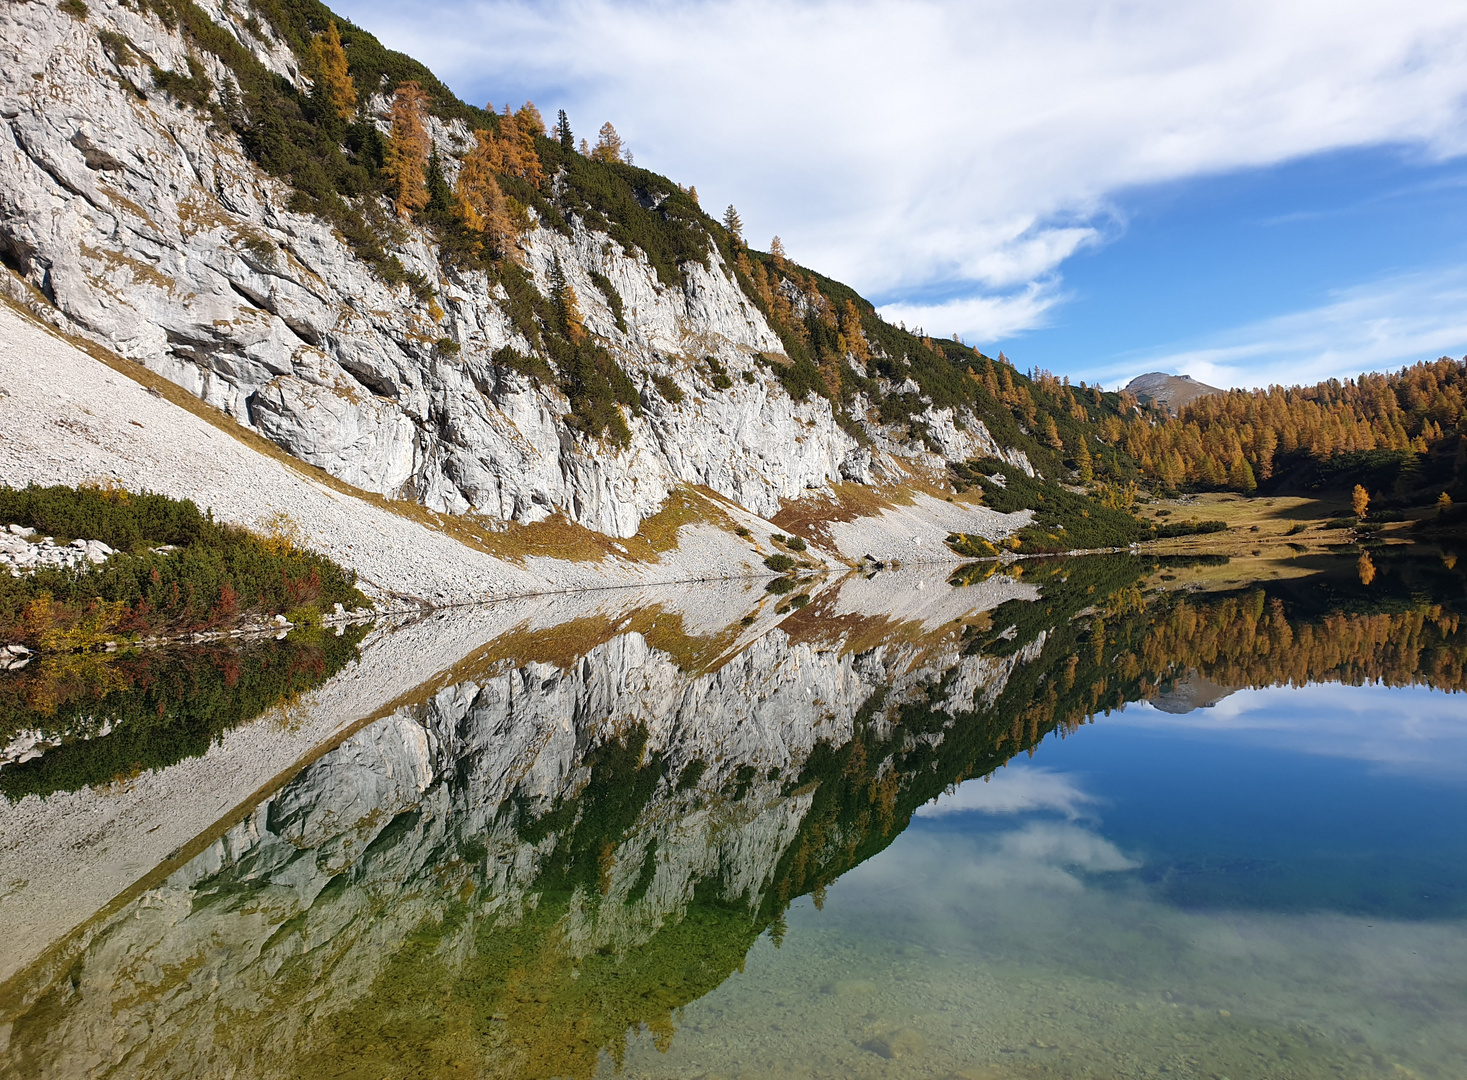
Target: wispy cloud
1368	328
984	318
910	146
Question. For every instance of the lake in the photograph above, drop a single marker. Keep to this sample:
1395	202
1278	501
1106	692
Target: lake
1110	816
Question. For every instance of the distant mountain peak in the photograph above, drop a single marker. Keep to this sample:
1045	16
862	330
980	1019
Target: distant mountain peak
1171	392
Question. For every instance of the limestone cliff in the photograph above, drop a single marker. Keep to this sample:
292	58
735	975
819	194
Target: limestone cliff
133	212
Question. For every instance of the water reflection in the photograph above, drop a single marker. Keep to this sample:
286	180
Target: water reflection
558	857
73	721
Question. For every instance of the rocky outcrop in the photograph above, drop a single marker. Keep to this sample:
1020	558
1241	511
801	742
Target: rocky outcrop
23	552
139	222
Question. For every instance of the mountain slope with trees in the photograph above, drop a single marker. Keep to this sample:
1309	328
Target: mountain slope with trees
455	306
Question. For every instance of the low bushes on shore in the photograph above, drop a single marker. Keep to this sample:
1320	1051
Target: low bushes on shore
176	570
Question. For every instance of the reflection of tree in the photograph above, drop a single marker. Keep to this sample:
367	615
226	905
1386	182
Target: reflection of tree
117	714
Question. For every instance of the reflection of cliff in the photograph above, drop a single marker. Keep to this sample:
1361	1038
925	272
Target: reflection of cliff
570	840
583	831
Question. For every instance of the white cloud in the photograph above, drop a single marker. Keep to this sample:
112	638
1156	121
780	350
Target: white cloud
1367	328
1016	789
903	145
987	318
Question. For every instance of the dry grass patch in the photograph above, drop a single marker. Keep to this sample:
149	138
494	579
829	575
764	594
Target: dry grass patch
1264	523
1274	563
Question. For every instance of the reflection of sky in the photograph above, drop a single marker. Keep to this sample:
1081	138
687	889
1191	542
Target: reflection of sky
1323	798
1414	730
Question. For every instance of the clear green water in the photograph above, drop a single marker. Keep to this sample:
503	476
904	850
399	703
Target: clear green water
1056	822
1082	917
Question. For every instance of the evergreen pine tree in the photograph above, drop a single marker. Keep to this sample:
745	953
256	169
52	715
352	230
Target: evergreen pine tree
733	223
563	131
440	199
567	305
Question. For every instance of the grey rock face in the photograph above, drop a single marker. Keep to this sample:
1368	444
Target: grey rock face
134	220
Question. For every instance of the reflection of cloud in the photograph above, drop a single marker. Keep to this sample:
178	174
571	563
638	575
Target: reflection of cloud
1053	845
1402	729
1050	856
1013	790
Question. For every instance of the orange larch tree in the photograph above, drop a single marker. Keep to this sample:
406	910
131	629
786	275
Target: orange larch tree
328	59
407	149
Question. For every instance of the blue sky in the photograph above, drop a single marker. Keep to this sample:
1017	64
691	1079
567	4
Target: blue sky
1250	191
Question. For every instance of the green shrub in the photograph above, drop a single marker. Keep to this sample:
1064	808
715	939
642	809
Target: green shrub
218	576
1063	520
613	298
691	773
534	366
1187	528
779	562
794	603
971	547
670	391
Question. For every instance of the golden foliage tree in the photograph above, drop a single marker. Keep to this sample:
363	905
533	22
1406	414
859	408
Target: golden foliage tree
406	161
850	330
1360	500
328	61
511	151
479	202
528	126
1084	464
777	253
609	147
